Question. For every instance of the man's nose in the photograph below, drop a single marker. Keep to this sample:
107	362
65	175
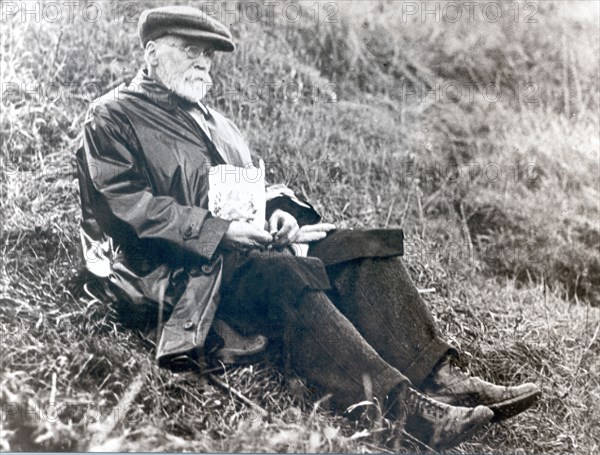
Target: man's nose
201	66
202	61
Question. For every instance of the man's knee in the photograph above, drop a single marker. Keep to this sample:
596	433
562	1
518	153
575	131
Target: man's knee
285	276
274	259
274	263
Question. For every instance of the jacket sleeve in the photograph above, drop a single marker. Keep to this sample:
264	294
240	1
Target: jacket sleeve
112	164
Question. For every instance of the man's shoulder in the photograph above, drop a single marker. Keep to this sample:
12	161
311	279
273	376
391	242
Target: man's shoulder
106	104
119	97
115	105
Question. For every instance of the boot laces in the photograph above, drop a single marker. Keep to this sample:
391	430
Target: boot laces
418	403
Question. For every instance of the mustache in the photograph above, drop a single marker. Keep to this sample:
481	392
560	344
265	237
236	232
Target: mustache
195	71
193	78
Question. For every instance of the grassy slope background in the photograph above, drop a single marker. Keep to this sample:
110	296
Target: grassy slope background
513	259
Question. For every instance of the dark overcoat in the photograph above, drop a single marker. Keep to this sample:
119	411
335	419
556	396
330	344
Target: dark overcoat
146	230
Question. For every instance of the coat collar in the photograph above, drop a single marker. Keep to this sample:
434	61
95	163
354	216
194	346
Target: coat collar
144	85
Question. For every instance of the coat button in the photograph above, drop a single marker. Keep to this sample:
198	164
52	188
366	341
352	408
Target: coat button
188	325
188	232
206	269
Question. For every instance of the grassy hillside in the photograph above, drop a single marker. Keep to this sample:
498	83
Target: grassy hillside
479	137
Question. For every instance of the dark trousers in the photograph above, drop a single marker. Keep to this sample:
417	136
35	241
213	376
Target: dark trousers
353	329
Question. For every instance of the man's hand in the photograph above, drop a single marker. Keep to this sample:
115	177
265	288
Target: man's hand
314	232
283	227
245	236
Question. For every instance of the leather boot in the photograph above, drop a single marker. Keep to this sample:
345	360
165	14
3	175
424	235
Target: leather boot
237	348
449	385
436	424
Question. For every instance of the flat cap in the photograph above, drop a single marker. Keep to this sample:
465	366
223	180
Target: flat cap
184	21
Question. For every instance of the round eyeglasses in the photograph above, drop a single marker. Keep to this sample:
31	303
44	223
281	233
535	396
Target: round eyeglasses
193	51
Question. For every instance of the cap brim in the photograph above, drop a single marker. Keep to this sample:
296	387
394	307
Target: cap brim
218	41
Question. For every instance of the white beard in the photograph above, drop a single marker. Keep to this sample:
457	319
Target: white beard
184	85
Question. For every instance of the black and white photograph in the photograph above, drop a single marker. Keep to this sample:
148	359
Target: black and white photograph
300	226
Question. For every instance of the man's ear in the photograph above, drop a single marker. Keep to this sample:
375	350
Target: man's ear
151	57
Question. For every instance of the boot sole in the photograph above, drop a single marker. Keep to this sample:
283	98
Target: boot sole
243	355
510	408
465	435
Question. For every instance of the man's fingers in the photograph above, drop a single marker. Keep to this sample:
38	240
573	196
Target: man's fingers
320	227
284	231
273	222
293	236
244	235
261	237
314	232
288	227
256	245
287	235
307	237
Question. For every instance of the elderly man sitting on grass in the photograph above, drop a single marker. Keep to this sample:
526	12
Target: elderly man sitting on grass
338	304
